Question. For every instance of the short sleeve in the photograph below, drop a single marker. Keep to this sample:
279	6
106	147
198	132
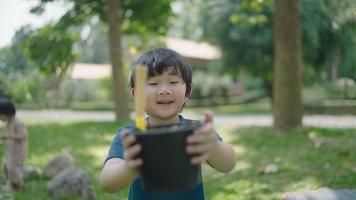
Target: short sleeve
117	148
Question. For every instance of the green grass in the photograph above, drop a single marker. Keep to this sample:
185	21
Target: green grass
301	165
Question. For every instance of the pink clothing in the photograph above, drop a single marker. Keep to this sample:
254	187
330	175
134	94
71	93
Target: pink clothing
15	151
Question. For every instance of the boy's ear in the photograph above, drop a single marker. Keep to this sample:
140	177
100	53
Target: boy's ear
132	92
189	93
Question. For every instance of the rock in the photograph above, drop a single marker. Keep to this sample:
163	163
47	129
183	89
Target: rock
31	172
6	193
58	164
322	194
71	183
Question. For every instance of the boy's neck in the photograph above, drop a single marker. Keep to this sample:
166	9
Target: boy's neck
152	121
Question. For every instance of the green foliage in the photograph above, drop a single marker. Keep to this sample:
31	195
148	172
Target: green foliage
210	86
343	88
4	90
29	88
329	31
105	86
13	62
12	58
93	45
243	30
139	16
186	22
51	50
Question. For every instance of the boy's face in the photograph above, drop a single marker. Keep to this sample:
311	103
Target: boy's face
165	96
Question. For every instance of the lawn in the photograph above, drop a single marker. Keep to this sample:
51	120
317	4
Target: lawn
301	165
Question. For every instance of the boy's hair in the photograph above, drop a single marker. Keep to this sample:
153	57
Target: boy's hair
7	108
161	60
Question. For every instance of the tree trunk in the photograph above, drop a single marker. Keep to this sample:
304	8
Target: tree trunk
335	64
119	81
287	98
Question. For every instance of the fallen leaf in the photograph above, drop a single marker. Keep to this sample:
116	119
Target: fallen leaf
268	169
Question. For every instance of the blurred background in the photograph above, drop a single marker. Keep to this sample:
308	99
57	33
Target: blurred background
55	54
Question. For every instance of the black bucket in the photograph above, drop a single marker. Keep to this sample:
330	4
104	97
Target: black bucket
166	164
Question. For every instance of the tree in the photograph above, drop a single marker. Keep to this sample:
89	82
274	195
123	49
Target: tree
13	62
329	29
51	50
12	58
133	17
287	104
243	30
114	20
93	45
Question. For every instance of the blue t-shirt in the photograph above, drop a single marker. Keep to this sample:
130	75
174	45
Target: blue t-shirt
137	191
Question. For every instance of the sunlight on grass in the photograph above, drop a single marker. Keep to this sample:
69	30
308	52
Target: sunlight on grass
107	138
39	160
243	165
306	183
227	132
98	153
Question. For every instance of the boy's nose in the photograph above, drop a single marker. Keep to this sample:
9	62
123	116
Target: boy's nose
164	91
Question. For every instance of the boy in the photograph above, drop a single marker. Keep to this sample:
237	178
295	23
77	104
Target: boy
169	85
15	144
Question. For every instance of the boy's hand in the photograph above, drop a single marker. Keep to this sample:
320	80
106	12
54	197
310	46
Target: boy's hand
203	140
131	150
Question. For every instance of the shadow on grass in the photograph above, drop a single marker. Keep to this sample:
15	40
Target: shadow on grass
301	165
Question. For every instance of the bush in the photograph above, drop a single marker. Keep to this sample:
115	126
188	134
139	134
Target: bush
210	86
28	89
343	88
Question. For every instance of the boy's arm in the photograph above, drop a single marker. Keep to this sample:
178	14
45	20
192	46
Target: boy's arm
222	157
116	175
219	155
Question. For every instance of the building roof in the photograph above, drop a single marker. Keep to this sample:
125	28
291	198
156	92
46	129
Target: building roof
192	49
189	49
90	71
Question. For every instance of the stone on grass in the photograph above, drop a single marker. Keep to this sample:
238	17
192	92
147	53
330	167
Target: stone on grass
31	172
6	193
71	183
58	164
322	194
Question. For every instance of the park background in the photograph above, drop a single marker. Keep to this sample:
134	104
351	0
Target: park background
79	64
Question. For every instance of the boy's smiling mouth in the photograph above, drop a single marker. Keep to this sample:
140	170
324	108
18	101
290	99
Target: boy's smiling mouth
165	102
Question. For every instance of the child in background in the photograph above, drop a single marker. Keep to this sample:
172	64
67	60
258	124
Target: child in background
169	86
14	140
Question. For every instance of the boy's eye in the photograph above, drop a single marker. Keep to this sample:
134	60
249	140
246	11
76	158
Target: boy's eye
173	82
152	83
